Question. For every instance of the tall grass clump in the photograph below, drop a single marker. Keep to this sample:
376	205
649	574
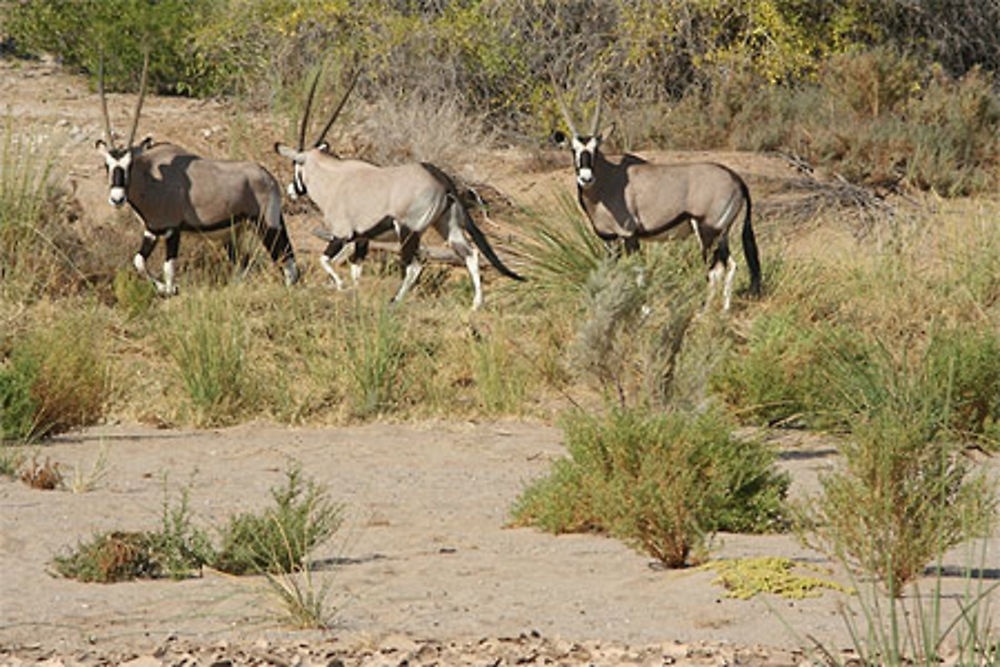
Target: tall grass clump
55	379
34	257
208	338
905	493
375	356
499	377
660	482
926	627
561	253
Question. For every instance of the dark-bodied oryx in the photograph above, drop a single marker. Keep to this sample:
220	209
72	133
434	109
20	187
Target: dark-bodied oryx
361	201
631	199
173	190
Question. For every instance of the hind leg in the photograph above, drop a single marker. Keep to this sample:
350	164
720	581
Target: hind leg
410	243
722	269
279	246
449	226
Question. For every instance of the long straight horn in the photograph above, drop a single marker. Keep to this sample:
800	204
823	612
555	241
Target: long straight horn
562	104
340	105
305	115
104	104
595	124
142	96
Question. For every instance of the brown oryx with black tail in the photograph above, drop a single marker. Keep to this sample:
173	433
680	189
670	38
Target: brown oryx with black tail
361	201
631	199
173	190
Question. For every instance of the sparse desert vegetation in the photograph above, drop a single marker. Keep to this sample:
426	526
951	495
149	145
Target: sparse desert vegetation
870	139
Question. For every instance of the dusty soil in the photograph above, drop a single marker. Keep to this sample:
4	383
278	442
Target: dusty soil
424	570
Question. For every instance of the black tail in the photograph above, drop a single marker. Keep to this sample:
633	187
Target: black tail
470	225
750	245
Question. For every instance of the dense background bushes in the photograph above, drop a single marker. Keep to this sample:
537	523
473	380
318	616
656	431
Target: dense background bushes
885	92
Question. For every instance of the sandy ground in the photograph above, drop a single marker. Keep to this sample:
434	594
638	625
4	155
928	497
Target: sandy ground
424	561
424	570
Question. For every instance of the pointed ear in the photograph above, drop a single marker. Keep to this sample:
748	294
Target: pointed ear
608	129
101	145
146	143
324	146
559	138
290	153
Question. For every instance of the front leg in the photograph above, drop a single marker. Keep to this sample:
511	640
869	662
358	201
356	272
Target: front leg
173	247
334	254
149	240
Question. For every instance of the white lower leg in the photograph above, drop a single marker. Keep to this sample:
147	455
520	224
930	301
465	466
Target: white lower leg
727	290
472	263
140	265
291	271
412	273
328	267
168	277
355	273
715	274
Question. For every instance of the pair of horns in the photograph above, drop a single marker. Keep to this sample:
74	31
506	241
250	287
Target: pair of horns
108	136
595	123
336	112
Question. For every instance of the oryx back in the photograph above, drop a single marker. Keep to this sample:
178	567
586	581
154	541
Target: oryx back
665	197
355	196
174	188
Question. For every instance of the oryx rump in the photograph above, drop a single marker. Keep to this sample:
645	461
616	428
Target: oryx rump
631	199
173	190
361	201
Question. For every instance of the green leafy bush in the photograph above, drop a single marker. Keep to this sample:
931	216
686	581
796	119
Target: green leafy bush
279	539
79	31
176	550
905	493
661	482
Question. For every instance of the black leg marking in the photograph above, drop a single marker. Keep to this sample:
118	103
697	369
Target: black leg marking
333	247
148	245
360	251
631	244
278	244
173	244
409	244
721	255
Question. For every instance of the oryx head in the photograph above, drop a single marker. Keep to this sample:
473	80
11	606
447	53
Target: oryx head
584	146
297	188
118	159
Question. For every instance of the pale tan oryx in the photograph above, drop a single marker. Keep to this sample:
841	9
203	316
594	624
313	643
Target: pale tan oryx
361	201
172	190
631	199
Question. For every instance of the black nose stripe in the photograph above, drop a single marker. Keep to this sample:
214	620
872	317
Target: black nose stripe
118	177
586	160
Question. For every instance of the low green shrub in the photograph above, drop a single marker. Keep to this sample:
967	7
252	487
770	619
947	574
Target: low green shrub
279	539
905	492
176	550
133	294
661	482
777	377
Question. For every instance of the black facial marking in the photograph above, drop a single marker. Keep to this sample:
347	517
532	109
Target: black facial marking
118	177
